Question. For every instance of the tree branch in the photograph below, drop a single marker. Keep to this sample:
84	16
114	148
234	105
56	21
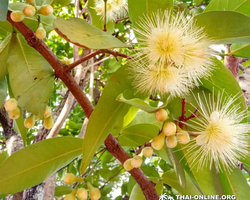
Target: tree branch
60	71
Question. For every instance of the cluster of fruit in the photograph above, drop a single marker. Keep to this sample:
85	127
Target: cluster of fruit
11	107
170	132
81	193
31	10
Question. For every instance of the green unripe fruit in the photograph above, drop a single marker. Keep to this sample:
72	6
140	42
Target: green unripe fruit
127	165
158	141
82	193
49	122
14	114
17	16
10	105
30	121
171	141
161	115
94	193
169	128
136	161
183	137
40	32
46	10
147	152
29	11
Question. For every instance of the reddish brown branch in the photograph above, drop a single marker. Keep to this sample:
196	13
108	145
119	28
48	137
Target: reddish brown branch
61	71
117	151
91	55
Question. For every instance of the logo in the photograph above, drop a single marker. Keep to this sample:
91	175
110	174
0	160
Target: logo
166	197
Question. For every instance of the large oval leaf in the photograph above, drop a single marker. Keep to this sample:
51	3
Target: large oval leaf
79	32
223	32
33	164
240	50
3	91
241	6
4	53
3	9
31	76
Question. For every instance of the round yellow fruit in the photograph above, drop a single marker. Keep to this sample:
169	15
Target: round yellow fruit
49	122
161	115
69	178
158	141
127	165
169	128
183	137
29	11
147	152
46	10
40	33
14	114
94	193
10	104
136	161
29	122
17	16
82	193
171	141
47	112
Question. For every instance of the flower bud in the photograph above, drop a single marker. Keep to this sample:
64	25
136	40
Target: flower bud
127	165
94	193
40	32
14	114
47	112
82	193
17	16
29	11
49	122
183	137
30	121
161	115
158	141
46	10
10	105
169	128
171	141
136	161
147	152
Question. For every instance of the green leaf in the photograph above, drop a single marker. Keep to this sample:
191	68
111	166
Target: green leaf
223	32
4	53
150	171
43	2
175	161
31	76
235	183
62	2
3	156
3	91
81	33
159	187
240	50
33	164
62	190
97	20
170	178
241	6
32	22
146	7
139	103
128	118
105	115
136	193
3	9
137	135
19	126
222	79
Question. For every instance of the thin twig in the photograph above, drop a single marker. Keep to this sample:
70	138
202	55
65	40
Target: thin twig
116	174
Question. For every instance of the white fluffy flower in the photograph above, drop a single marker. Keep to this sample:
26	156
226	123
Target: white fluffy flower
221	136
174	40
114	8
160	79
